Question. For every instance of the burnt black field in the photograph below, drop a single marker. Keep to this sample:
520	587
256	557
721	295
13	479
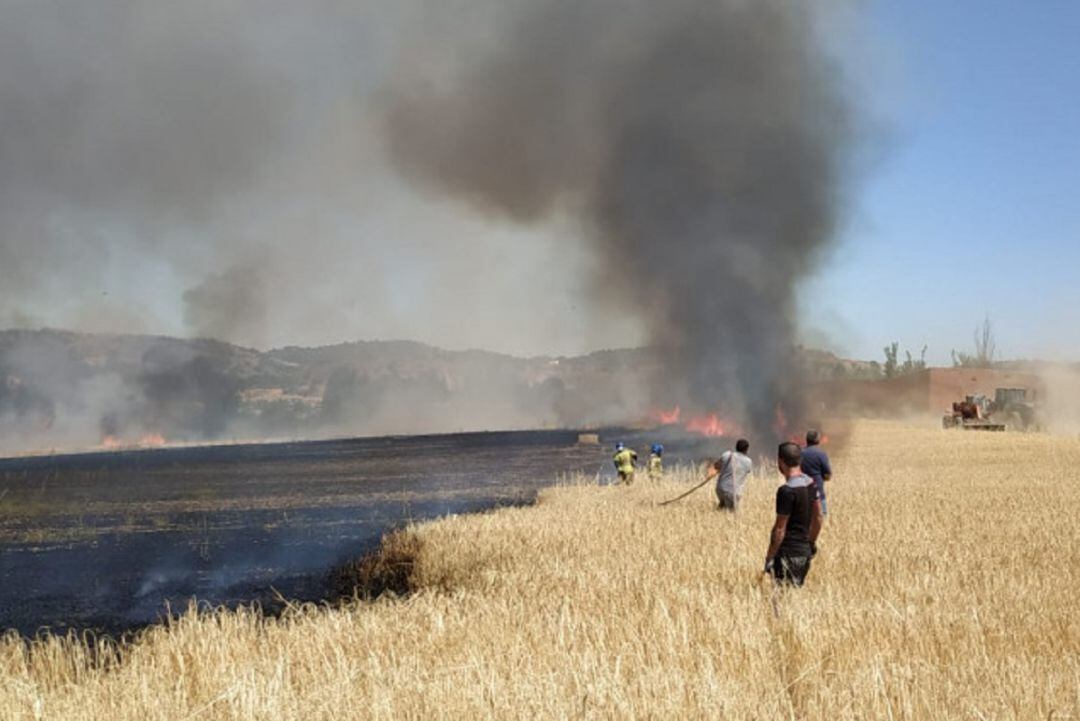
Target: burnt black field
105	541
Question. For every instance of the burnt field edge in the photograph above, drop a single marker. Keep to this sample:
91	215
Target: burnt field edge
123	593
210	448
384	572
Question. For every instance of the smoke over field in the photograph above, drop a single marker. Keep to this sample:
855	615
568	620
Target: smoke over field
630	174
702	145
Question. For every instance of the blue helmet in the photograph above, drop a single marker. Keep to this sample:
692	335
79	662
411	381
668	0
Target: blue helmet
657	449
620	446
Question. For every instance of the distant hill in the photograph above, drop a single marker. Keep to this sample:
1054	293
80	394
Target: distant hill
66	389
62	389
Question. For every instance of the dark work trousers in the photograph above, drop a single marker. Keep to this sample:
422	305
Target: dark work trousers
791	570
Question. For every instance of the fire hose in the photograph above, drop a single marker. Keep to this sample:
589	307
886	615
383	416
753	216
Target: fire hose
684	495
731	460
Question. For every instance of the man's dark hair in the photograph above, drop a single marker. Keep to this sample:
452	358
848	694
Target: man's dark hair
742	445
813	438
790	454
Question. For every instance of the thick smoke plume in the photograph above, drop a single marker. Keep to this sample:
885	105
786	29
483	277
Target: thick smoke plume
247	171
701	143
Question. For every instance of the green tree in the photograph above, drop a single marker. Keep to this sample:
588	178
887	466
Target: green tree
891	366
911	365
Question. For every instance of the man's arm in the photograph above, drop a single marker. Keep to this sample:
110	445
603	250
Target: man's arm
826	468
815	522
714	468
776	538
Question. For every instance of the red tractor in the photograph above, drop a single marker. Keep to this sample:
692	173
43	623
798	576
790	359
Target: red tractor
1013	408
972	414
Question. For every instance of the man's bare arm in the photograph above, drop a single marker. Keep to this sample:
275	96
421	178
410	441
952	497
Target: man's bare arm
776	537
815	521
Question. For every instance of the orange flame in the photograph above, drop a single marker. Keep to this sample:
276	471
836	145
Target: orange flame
151	440
782	429
710	425
669	417
147	440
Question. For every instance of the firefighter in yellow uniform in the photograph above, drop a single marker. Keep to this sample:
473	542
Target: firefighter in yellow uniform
625	460
656	462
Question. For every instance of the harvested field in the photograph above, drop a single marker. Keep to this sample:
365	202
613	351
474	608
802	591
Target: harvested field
945	589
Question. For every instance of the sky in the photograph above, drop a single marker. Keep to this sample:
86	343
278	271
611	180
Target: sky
969	207
961	206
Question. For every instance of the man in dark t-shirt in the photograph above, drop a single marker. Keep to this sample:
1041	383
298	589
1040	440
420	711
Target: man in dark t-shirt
793	541
815	463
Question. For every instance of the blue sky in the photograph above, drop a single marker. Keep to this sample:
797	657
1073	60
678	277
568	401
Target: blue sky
970	205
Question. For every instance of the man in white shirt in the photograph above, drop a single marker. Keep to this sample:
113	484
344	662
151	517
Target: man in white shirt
732	470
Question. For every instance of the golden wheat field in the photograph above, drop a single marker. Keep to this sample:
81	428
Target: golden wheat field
945	588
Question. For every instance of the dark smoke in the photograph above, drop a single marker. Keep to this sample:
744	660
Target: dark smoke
193	397
231	171
226	301
702	144
65	390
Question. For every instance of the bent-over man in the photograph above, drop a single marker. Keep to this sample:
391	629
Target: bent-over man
793	541
732	470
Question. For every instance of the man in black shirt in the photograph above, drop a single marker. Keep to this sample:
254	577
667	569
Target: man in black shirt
798	521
